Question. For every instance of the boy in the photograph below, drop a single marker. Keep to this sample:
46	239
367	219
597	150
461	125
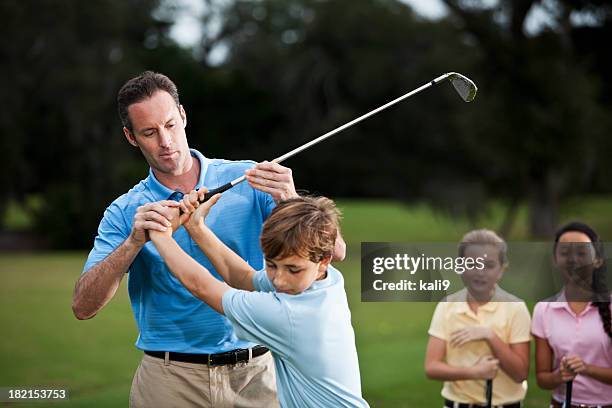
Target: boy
297	306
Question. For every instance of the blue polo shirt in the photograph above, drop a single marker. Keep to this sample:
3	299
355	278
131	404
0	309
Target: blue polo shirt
169	318
310	336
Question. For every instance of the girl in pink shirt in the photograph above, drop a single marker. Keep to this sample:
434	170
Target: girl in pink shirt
573	330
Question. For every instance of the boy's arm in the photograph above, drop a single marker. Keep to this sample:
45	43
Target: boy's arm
234	270
115	249
196	278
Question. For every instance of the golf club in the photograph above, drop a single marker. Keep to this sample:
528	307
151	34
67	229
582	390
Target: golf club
489	393
463	85
568	394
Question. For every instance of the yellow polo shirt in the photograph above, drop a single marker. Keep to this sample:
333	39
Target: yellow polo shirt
509	318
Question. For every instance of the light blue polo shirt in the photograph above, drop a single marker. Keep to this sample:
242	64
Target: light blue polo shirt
310	336
168	317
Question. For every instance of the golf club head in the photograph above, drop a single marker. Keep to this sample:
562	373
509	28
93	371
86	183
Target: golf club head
464	86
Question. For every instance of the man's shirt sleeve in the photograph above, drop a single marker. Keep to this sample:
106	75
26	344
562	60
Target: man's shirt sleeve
112	231
259	317
266	203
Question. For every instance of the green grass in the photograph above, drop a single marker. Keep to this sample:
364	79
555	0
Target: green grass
389	221
42	344
19	217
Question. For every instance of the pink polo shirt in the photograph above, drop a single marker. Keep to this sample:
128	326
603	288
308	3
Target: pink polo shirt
582	335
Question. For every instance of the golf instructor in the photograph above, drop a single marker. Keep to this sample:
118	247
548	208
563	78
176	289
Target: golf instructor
192	356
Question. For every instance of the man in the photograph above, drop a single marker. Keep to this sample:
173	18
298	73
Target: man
192	355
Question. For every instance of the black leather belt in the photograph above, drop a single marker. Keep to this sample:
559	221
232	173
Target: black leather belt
219	359
453	404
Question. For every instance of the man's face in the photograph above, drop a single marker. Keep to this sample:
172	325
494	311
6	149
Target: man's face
159	131
293	274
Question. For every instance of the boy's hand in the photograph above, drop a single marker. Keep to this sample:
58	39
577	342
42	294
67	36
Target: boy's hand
157	235
188	205
194	212
460	337
156	216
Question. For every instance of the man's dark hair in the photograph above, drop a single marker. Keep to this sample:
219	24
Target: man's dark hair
140	88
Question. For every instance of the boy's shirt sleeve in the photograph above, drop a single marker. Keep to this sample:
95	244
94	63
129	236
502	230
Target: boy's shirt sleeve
261	283
259	317
520	325
437	325
112	231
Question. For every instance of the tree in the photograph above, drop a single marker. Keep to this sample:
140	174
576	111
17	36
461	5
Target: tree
63	64
550	104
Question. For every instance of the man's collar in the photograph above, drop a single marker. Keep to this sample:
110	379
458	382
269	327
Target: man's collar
203	167
161	192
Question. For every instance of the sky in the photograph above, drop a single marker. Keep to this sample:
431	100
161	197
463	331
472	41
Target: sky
187	29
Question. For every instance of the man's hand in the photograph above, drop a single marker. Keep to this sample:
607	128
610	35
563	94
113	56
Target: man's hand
272	178
155	216
460	337
194	211
485	368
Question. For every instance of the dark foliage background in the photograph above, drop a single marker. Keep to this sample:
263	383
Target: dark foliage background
536	134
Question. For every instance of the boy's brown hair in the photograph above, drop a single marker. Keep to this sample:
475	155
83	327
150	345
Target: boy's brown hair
304	226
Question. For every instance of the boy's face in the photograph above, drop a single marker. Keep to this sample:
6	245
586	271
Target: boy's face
294	274
481	282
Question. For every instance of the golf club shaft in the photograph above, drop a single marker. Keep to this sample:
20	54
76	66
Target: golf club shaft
329	134
489	393
568	393
357	120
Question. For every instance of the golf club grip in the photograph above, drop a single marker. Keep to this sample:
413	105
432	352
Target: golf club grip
568	393
217	190
489	393
212	192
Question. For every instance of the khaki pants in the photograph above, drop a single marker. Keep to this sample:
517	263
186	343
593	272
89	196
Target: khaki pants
175	384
